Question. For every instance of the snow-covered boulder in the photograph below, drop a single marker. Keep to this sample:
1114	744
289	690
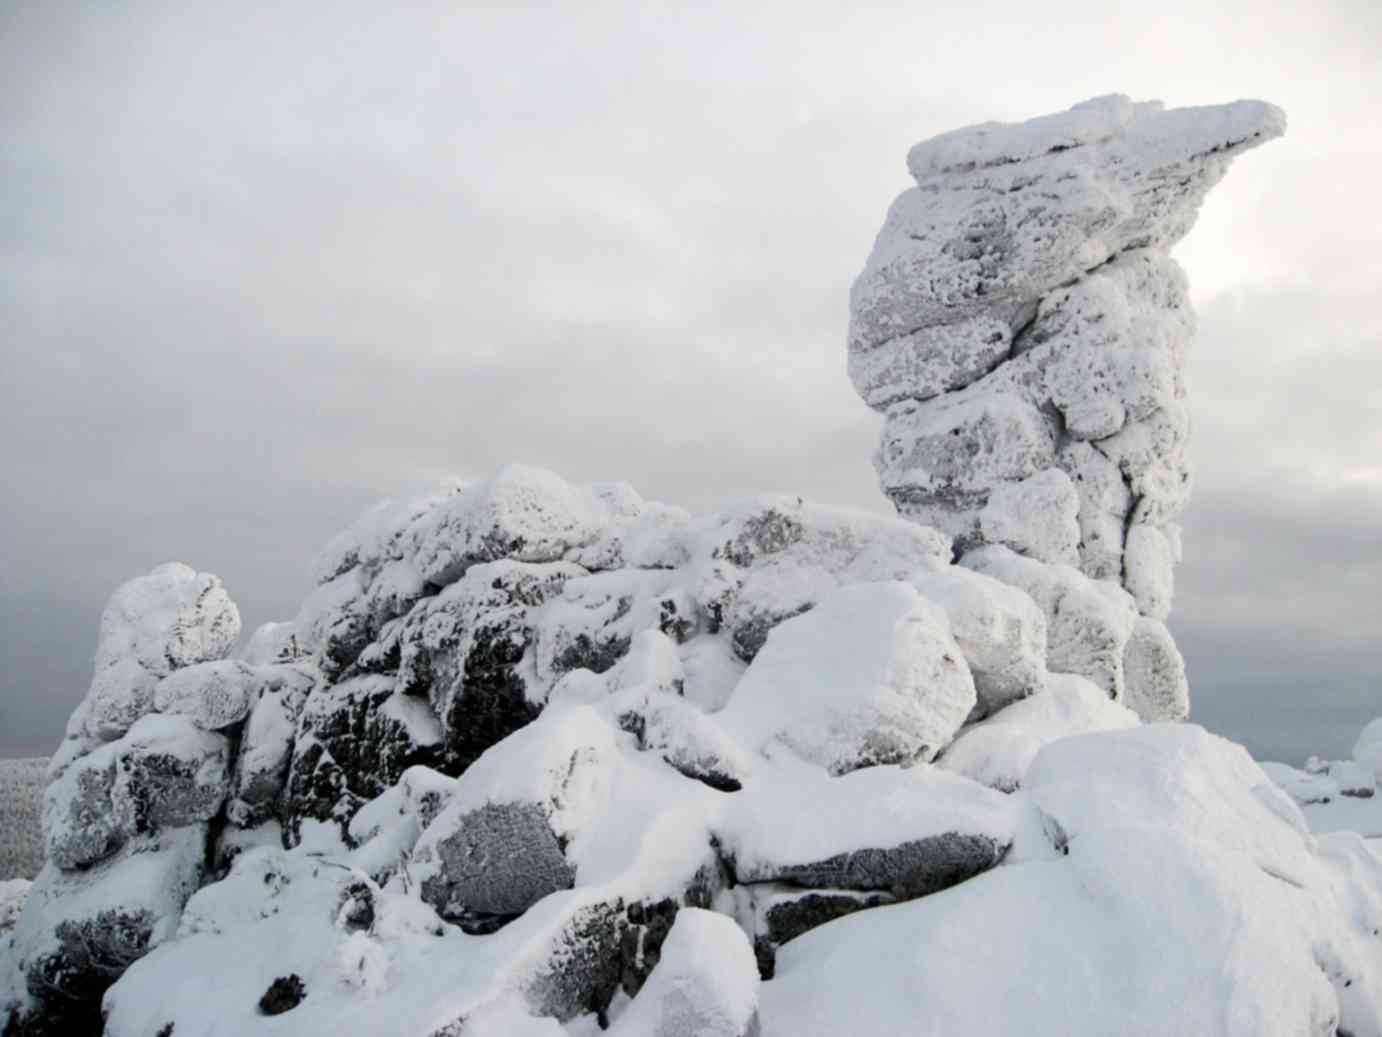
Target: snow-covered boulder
998	750
906	831
1037	517
526	514
153	625
169	773
469	650
80	929
1154	673
500	844
354	739
214	695
266	744
998	627
79	825
705	983
871	675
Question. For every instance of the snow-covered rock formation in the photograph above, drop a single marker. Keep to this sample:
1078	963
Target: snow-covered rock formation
1023	329
537	759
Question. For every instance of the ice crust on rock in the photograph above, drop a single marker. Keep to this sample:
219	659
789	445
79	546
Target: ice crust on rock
1023	329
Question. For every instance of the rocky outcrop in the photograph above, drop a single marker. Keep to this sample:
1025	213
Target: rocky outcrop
537	758
1023	329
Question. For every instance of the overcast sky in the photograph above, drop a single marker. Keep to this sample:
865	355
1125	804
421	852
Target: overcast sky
263	264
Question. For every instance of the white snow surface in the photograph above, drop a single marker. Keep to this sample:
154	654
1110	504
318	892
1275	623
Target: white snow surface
704	985
999	750
1192	901
871	674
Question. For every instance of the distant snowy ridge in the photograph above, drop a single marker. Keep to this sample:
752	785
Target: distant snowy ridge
539	759
21	798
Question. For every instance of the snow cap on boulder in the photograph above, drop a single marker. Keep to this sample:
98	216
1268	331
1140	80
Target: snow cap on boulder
871	675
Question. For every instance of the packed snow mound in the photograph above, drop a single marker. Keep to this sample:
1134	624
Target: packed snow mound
1024	330
1191	901
21	804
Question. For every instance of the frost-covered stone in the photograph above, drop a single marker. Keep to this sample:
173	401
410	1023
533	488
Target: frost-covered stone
214	696
266	744
770	558
1088	622
871	675
998	751
526	514
1037	517
353	741
80	929
772	913
1003	214
153	625
693	743
500	844
169	773
907	832
1024	330
705	983
79	824
470	651
1154	673
1000	630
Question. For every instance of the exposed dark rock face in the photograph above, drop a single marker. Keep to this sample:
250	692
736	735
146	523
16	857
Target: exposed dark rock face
284	994
354	740
911	869
498	861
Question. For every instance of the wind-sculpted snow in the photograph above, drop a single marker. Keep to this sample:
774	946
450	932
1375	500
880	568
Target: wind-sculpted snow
538	759
1023	329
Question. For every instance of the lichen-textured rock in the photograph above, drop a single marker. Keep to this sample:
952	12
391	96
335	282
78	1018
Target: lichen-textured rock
1023	329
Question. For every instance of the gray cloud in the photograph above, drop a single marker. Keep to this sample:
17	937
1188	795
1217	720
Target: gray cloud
260	267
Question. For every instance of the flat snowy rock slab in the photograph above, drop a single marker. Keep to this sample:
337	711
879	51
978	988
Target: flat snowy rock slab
905	831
